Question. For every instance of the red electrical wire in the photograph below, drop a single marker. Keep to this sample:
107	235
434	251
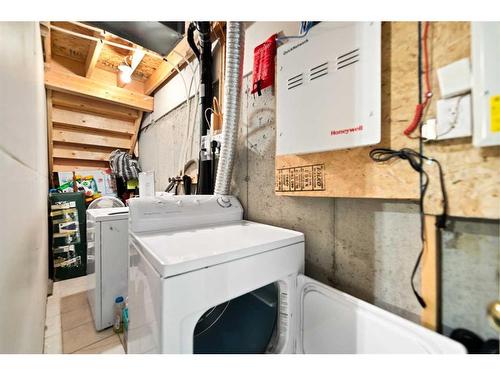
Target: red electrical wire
419	109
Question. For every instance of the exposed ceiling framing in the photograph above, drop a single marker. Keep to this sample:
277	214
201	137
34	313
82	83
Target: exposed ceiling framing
90	112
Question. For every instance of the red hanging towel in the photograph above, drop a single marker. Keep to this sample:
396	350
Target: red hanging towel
263	65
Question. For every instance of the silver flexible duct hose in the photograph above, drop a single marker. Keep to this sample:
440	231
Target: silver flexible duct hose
235	40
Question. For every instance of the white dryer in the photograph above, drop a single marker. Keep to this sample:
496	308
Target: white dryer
202	280
107	261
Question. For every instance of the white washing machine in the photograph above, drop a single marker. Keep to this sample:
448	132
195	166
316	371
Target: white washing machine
202	280
107	261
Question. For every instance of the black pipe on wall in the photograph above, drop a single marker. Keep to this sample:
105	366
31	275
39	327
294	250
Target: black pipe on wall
205	177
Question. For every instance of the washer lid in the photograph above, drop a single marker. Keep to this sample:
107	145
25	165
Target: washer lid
105	214
334	322
175	252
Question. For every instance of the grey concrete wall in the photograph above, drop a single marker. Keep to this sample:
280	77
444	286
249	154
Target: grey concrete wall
470	279
161	143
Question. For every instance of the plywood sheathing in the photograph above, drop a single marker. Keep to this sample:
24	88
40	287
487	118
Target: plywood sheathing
472	178
471	173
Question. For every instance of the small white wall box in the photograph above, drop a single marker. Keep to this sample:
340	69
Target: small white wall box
486	83
454	117
455	78
329	88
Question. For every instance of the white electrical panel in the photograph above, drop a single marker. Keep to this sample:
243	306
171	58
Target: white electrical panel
486	83
329	88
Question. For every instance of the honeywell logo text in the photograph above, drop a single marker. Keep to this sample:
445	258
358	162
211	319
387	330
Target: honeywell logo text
347	131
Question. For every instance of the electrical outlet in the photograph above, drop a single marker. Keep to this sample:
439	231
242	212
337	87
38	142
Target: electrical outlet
454	118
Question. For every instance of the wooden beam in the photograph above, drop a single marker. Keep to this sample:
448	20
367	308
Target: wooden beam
81	152
135	137
69	165
86	105
92	58
84	138
429	275
74	84
166	69
176	58
91	122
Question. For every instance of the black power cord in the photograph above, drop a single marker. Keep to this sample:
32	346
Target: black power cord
416	161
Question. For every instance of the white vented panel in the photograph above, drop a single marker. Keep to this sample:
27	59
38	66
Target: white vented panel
486	83
328	88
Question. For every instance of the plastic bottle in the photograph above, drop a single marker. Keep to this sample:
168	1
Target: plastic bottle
125	324
118	322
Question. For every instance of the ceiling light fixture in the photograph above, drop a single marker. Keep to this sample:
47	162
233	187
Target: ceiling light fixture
125	74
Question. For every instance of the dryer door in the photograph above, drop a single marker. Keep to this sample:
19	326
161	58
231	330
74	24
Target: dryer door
335	322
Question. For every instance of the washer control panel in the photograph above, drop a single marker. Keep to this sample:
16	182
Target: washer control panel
182	211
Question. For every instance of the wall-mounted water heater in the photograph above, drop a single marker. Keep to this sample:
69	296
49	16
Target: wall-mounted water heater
329	88
486	83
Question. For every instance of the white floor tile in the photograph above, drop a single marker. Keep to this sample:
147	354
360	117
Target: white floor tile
53	306
53	344
53	325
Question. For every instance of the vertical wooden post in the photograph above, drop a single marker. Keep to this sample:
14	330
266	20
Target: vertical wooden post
429	275
135	137
50	143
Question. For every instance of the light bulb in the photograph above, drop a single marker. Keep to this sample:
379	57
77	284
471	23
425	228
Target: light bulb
125	74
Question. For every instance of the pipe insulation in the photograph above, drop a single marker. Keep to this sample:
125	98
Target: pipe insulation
235	39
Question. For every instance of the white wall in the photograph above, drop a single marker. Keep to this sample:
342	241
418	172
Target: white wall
23	189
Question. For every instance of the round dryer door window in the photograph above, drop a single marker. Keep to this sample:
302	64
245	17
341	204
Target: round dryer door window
244	325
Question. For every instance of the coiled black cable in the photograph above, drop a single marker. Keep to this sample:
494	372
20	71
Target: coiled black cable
415	159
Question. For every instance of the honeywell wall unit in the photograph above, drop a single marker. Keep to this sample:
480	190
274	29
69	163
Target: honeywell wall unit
486	83
328	88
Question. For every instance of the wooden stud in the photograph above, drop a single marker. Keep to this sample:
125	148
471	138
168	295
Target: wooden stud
87	105
429	275
91	122
85	87
49	137
47	41
135	137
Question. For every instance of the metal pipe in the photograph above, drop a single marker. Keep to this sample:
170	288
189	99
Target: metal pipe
235	40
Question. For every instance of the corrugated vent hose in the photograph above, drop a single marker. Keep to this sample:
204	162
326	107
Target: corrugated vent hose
235	40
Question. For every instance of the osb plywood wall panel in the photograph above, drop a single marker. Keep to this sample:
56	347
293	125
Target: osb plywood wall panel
471	174
351	173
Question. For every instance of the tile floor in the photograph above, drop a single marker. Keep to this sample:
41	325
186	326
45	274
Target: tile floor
69	327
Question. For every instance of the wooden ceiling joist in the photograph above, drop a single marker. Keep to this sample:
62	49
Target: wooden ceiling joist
74	84
177	58
166	69
92	57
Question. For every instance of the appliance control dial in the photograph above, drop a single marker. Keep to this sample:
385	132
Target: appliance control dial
224	202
